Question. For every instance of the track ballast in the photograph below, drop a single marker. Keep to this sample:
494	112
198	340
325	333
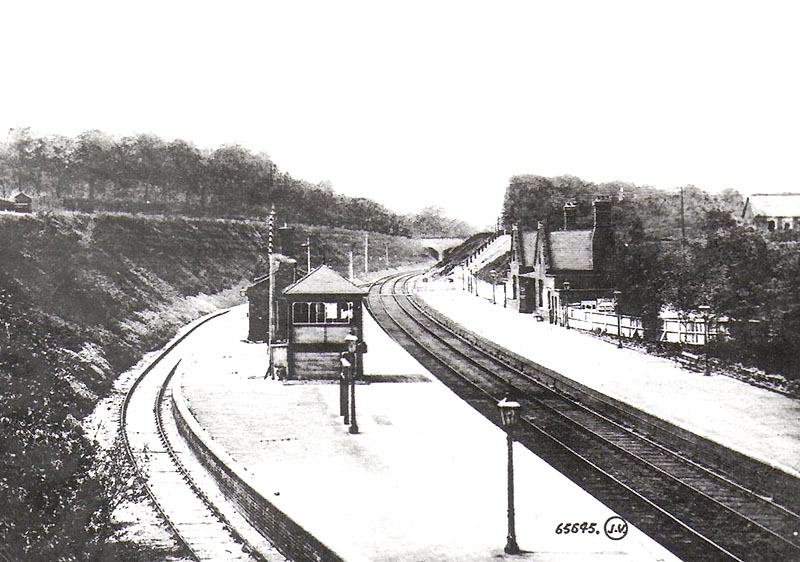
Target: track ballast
694	511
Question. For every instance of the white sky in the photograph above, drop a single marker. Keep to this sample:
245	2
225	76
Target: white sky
427	103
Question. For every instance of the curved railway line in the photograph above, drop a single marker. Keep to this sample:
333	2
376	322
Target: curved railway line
199	527
695	511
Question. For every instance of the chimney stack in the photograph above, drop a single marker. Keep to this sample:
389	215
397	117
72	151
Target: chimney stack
602	211
570	214
286	241
603	234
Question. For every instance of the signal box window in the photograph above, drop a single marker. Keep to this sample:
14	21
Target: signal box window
322	312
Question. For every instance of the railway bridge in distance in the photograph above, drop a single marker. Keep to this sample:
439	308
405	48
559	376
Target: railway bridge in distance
437	246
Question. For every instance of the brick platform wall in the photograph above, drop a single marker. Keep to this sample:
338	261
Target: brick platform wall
292	540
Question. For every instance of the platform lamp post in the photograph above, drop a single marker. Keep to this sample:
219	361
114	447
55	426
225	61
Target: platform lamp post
509	412
566	304
493	273
618	294
352	348
704	308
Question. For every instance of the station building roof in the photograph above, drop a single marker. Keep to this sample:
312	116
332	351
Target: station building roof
571	250
323	281
529	242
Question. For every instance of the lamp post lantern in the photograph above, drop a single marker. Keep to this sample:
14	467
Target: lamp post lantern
704	308
617	294
352	348
344	407
509	413
566	304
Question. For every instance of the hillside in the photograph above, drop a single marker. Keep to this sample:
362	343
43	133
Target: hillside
454	256
82	297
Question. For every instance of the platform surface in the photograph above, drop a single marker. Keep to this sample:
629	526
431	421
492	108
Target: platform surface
757	422
425	479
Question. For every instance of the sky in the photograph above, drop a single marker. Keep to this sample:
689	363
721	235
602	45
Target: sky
421	103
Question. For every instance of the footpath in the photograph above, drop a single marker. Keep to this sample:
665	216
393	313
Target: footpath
759	423
424	480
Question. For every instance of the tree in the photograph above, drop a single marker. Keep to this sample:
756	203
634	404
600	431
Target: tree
184	171
432	222
26	157
528	200
639	271
142	164
93	160
59	164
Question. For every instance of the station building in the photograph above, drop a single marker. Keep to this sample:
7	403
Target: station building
771	212
20	203
550	268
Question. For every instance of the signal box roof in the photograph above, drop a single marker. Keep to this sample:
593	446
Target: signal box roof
324	281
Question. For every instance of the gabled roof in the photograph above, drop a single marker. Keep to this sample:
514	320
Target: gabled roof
571	250
323	281
529	240
775	204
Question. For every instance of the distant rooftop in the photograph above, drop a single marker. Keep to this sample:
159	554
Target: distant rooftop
775	204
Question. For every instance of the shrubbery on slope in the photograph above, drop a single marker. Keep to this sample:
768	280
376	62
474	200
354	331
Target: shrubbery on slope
81	298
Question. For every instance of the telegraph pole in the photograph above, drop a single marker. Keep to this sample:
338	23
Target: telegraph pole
271	324
350	269
683	224
366	252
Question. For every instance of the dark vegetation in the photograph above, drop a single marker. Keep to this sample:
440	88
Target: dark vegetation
710	257
146	174
431	222
84	294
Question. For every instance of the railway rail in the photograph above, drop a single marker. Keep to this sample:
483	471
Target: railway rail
695	511
199	527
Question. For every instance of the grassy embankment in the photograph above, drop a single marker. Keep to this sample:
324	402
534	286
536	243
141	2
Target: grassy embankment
82	297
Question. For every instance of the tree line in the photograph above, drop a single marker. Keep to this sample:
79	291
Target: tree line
682	249
144	173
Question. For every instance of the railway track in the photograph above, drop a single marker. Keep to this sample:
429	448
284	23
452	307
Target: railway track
199	527
694	511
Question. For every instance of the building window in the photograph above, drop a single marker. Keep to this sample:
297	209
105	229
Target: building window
322	312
